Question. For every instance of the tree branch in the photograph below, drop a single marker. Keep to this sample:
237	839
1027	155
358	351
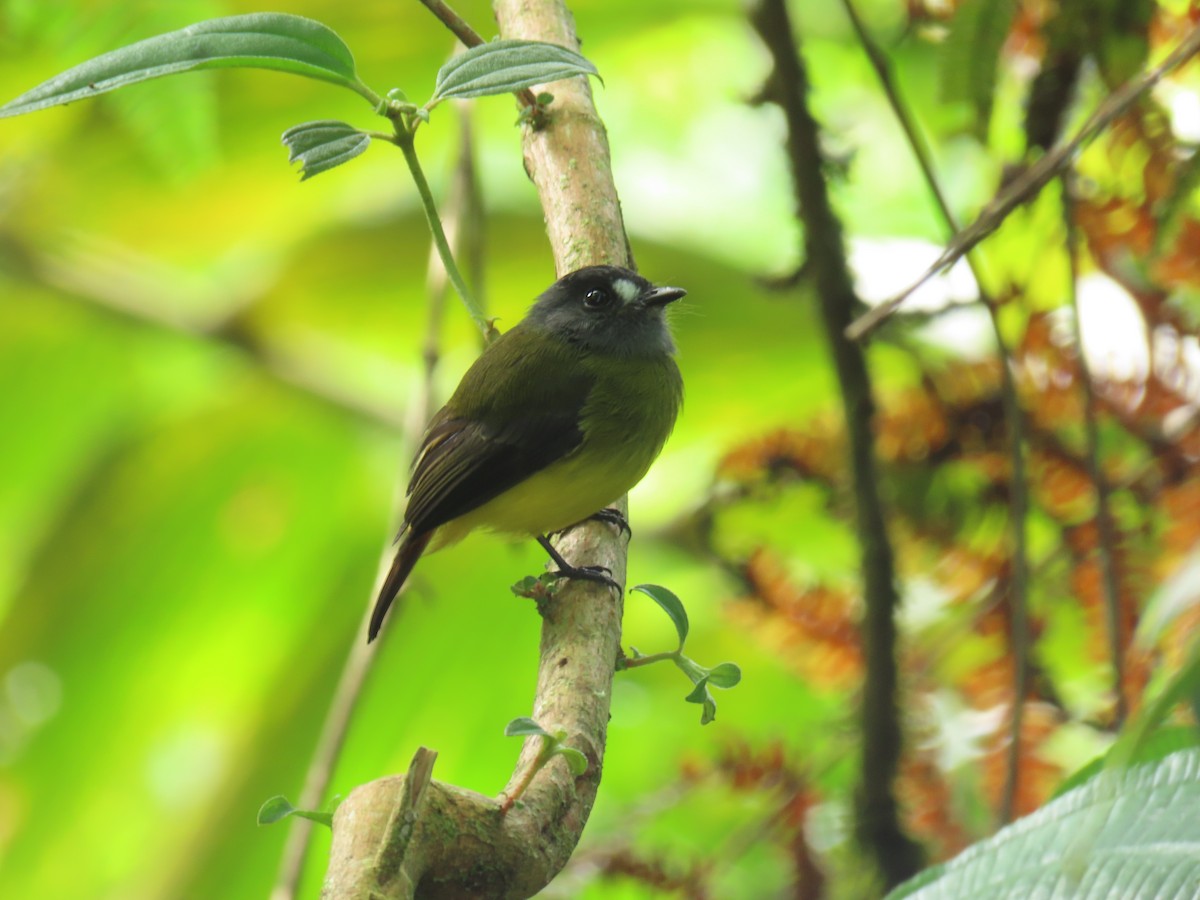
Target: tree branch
1018	591
1104	521
1032	180
461	846
878	829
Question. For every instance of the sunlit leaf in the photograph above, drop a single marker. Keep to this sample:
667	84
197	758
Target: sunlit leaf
276	41
1137	836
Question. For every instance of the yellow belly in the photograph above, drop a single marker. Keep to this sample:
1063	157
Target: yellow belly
560	495
626	421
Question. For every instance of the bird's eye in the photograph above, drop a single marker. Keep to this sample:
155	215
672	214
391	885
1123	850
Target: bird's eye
595	299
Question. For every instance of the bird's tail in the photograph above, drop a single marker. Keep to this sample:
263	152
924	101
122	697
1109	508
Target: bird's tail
410	550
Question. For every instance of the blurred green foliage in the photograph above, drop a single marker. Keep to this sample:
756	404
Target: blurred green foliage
204	366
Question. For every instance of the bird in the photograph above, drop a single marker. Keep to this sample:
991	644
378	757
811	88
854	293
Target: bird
558	418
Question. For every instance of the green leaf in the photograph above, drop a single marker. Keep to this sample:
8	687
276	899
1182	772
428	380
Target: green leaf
278	808
1180	592
726	675
1155	747
501	67
1136	835
671	605
524	727
275	809
692	669
324	145
1181	687
702	695
576	761
276	41
971	52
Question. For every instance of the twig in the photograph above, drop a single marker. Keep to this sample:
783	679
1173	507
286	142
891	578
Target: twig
461	216
470	38
1018	588
1032	180
329	746
896	856
1019	638
1104	521
404	140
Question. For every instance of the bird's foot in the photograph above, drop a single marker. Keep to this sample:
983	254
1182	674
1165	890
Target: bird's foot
598	574
612	516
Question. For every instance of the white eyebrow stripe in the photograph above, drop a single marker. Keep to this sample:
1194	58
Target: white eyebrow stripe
626	289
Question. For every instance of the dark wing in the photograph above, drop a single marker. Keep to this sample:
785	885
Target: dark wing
506	421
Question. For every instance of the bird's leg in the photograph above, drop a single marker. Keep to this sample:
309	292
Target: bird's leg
613	517
599	574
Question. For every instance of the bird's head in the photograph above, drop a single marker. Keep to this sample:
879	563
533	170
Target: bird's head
608	310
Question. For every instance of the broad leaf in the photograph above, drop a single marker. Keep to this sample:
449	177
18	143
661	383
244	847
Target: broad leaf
670	604
276	41
501	67
1155	747
321	146
1134	834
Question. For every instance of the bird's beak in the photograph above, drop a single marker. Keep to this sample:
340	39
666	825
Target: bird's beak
661	296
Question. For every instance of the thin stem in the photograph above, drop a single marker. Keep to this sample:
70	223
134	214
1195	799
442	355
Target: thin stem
1018	616
456	23
329	746
877	823
369	95
1104	521
362	655
646	660
1019	578
404	141
515	794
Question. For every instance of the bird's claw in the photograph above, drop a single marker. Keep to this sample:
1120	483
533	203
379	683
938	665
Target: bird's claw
598	574
612	516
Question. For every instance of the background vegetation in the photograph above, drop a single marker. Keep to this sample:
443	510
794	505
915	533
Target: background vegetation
205	369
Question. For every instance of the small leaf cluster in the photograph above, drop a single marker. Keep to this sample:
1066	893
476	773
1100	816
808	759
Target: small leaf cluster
552	745
724	675
538	588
